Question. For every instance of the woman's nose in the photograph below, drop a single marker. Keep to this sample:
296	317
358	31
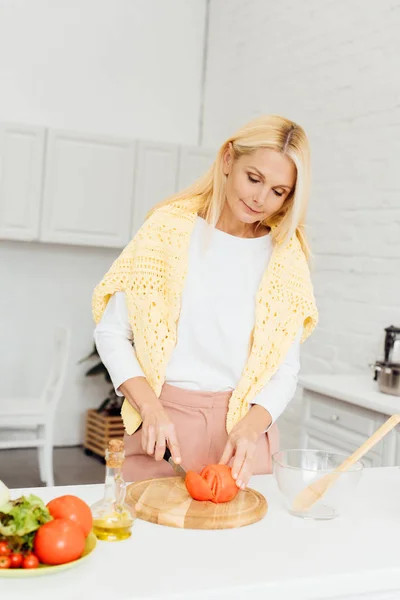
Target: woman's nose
261	196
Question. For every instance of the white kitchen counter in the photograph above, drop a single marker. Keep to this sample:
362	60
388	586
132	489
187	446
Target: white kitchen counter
280	558
359	389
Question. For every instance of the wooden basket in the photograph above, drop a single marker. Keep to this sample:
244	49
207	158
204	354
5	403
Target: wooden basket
99	430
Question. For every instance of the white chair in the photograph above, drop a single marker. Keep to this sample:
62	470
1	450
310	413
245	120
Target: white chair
38	414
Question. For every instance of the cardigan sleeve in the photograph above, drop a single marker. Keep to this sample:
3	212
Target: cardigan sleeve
281	388
113	338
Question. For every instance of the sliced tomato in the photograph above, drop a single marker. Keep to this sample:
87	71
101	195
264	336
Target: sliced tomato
221	482
215	483
197	487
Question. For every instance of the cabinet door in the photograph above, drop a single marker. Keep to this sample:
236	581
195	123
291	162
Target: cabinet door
21	168
155	178
314	440
290	434
88	190
193	162
325	412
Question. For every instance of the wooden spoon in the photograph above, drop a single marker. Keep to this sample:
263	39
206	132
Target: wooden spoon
309	495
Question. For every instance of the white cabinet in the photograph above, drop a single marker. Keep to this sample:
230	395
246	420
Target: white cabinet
193	163
290	424
88	190
332	424
155	178
339	413
319	440
84	189
21	169
291	434
332	414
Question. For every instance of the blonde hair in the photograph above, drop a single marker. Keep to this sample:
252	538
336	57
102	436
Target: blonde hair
207	194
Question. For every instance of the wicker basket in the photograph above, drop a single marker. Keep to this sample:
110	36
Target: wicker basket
99	430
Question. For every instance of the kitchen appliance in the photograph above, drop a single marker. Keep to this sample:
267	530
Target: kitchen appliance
387	372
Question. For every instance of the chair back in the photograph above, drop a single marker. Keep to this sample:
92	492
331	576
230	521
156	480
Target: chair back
56	379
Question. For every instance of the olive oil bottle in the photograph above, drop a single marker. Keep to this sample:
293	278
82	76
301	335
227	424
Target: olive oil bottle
112	517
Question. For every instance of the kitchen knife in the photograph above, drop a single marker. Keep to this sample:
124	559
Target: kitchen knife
177	468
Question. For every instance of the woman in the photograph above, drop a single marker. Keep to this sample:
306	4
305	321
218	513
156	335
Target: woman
215	293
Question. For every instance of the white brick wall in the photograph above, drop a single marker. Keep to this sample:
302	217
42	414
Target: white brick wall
334	67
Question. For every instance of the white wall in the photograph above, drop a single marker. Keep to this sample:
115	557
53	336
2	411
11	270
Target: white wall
126	67
119	67
43	285
333	67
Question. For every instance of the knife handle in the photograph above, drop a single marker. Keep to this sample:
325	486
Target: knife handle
167	454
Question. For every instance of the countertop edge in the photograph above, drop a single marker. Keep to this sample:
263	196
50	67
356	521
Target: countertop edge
332	385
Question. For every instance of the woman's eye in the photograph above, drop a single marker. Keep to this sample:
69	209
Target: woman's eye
252	179
279	194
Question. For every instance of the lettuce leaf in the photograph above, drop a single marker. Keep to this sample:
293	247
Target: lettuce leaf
21	518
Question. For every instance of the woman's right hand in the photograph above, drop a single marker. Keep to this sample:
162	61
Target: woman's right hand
158	431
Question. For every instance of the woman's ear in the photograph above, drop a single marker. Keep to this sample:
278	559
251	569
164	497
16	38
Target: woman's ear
228	159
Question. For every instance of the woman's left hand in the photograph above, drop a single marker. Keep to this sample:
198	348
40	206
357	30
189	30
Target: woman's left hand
242	443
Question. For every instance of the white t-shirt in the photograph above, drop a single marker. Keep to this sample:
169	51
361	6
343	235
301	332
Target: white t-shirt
215	324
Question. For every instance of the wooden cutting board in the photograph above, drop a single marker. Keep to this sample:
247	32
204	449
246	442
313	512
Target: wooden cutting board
166	502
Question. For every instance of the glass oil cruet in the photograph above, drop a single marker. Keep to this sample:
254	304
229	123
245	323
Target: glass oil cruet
112	517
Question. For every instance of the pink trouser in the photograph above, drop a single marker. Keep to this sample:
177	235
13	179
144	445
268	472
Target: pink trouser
199	419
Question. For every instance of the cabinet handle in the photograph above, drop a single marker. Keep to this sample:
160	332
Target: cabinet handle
334	418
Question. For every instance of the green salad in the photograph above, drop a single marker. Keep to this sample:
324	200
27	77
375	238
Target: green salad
20	519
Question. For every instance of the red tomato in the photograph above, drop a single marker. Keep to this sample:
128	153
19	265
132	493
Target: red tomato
221	482
58	542
16	560
30	561
214	483
5	550
5	562
73	508
197	487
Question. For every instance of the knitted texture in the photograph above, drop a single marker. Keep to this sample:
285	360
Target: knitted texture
151	271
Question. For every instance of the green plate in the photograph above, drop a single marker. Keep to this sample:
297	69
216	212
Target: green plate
90	545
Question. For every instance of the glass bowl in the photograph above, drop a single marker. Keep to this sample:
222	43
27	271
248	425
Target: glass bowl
296	469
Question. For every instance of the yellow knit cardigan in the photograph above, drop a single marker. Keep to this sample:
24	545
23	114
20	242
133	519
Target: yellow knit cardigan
151	271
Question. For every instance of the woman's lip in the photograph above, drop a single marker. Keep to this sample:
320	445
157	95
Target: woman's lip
257	212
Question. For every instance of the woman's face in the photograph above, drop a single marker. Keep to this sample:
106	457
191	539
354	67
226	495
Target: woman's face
258	184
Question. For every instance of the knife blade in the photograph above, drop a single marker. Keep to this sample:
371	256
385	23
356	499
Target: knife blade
177	468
